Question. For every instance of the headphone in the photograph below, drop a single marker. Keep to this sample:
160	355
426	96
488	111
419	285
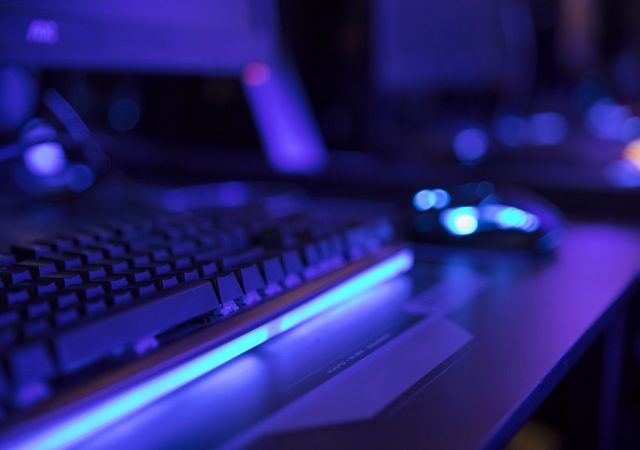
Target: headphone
46	148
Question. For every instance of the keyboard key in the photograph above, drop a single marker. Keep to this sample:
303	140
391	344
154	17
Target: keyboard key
113	282
292	262
119	298
65	317
37	288
113	266
58	244
37	309
64	279
30	251
136	275
238	259
6	259
165	281
186	275
90	340
93	307
87	290
89	273
38	268
272	270
8	317
229	291
62	300
208	269
251	279
34	328
14	295
13	275
142	289
64	261
87	255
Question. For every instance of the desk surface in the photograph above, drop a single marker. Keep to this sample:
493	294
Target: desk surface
510	328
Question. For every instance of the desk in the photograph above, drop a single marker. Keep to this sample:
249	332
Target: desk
527	324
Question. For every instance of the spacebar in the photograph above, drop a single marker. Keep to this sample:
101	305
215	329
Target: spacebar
88	341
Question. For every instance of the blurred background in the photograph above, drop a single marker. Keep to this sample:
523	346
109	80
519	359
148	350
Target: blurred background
542	94
407	94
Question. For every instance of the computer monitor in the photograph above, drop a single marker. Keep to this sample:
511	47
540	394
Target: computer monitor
238	38
215	36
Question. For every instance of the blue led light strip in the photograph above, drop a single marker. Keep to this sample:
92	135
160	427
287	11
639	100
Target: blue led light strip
80	426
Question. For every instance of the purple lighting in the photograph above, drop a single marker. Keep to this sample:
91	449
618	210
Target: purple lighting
46	158
292	143
470	145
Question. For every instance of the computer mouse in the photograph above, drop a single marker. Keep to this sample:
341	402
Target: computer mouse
483	216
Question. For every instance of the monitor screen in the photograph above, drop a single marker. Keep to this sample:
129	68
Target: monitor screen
218	36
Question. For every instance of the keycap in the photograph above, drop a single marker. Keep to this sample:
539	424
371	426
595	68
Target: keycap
292	262
61	300
186	275
251	279
228	290
142	289
119	298
155	269
94	338
14	295
65	317
113	266
38	268
58	244
13	275
136	275
8	317
91	272
6	259
87	255
63	261
37	309
93	307
238	259
34	328
208	269
111	250
64	279
8	337
87	290
272	270
165	281
113	282
37	288
30	251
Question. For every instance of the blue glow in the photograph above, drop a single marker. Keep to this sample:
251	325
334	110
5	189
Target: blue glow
547	128
606	119
424	200
511	217
470	145
442	198
631	129
512	131
460	221
80	426
47	158
79	177
124	114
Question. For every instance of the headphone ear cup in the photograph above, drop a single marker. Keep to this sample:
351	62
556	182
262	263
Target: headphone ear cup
19	96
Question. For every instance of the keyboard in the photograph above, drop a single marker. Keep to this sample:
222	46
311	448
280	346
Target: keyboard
84	311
